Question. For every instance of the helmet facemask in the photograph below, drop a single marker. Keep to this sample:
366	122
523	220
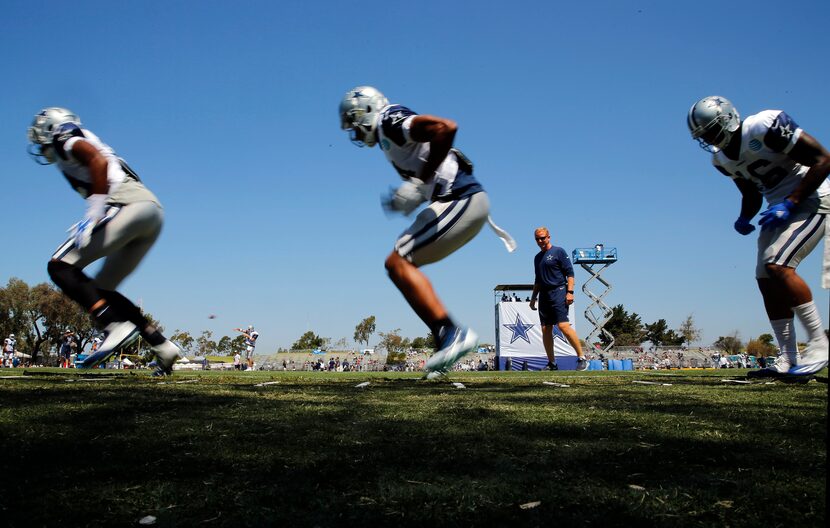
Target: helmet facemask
358	114
40	133
719	121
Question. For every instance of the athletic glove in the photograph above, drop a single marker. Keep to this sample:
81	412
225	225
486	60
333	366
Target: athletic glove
776	214
406	198
743	226
96	205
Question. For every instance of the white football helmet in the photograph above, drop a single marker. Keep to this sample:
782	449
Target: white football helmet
712	121
40	133
358	114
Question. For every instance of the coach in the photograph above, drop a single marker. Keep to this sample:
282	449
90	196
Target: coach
555	281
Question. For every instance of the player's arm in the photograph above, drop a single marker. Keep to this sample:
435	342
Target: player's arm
97	164
440	134
809	152
96	201
751	198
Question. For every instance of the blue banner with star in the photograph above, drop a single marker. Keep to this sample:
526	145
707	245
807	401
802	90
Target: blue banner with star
519	338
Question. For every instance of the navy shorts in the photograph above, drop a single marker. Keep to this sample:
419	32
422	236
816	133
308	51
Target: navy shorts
553	308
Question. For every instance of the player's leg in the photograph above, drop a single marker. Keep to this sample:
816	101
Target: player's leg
785	293
66	271
137	232
416	289
438	231
249	357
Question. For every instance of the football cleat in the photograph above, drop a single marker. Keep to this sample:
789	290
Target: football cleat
166	354
582	363
776	370
813	358
457	343
435	374
119	335
551	366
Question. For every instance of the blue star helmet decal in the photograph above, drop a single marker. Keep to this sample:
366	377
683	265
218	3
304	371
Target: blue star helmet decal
519	329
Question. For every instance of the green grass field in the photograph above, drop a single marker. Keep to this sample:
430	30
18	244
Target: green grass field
312	449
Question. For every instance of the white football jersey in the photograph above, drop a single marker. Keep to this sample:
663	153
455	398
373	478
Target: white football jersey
452	179
251	338
766	140
124	185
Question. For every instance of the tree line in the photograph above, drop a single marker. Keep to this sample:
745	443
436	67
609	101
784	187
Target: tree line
628	329
395	345
40	316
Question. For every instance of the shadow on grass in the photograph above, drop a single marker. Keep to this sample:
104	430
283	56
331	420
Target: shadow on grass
223	452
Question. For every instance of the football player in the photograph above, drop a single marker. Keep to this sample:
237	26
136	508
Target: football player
121	223
251	336
420	149
769	156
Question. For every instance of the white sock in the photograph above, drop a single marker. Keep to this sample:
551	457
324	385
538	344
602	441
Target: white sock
785	335
808	315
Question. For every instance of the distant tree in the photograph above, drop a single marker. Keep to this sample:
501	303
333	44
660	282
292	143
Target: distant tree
767	339
364	330
731	345
60	315
40	315
762	346
183	339
659	334
422	343
627	329
395	345
308	341
237	345
205	344
223	346
689	331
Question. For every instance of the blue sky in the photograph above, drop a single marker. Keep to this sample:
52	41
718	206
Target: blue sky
574	116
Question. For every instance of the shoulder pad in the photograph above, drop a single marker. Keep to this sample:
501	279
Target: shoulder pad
780	132
64	133
391	123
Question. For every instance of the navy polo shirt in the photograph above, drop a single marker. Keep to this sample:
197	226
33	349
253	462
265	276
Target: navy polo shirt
553	267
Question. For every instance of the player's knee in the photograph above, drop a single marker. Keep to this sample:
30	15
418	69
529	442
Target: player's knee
393	262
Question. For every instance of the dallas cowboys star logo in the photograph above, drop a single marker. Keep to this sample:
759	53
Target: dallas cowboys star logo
397	117
519	329
786	131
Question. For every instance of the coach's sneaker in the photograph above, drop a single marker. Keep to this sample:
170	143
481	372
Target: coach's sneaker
779	368
813	358
582	363
457	343
166	354
119	335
